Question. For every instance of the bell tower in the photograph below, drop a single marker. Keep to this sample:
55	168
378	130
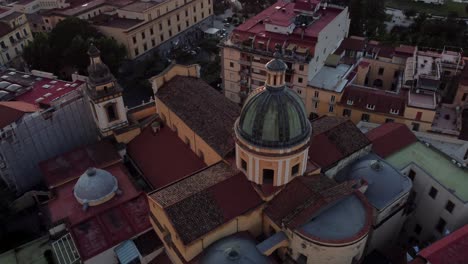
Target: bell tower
105	95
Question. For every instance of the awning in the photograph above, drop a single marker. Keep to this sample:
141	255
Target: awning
212	31
127	252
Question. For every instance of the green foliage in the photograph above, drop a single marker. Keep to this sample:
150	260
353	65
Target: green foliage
65	48
435	33
411	12
367	17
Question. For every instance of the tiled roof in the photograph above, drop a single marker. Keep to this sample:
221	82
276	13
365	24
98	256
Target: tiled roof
66	167
103	226
307	197
382	100
450	249
207	112
205	200
390	138
333	139
114	21
283	13
163	158
11	112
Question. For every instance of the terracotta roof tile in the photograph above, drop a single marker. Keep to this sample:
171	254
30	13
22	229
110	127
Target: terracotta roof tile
450	249
205	200
11	112
207	112
390	138
383	101
336	138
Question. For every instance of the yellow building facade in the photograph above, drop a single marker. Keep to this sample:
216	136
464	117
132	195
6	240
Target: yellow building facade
15	35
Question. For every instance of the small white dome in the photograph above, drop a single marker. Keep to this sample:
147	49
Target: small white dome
94	187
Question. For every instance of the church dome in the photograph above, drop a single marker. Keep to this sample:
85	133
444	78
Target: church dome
95	186
233	249
274	118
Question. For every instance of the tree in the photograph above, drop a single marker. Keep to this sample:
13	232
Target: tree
64	49
466	8
410	12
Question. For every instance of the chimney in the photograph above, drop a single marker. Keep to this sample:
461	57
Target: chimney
155	127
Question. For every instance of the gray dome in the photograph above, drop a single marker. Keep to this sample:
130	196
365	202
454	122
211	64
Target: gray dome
95	186
276	65
233	249
274	118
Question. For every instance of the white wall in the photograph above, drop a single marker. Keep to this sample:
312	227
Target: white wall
328	41
429	210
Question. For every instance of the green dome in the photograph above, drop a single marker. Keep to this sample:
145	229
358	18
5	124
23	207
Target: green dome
274	118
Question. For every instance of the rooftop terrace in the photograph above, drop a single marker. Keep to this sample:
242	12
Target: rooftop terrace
434	163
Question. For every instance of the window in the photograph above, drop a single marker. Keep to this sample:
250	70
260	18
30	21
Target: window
415	126
151	31
381	71
160	26
449	206
299	80
134	40
268	176
370	106
244	165
168	22
331	109
187	23
143	35
332	98
301	67
145	47
186	13
161	38
350	102
347	112
417	229
316	105
295	170
365	117
178	17
111	112
394	111
136	52
178	28
170	33
411	174
2	44
433	192
153	42
316	94
231	64
389	120
440	227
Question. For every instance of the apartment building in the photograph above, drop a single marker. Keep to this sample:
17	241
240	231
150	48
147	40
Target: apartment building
438	180
305	31
367	81
15	33
142	26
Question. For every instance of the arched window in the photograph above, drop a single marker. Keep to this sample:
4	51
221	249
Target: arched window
111	111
